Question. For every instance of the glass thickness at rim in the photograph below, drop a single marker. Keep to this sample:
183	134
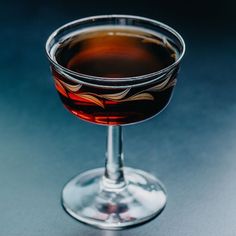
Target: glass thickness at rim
130	20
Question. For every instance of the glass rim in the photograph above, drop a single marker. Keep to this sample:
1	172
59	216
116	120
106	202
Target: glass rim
111	79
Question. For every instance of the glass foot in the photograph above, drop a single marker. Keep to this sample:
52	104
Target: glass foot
86	199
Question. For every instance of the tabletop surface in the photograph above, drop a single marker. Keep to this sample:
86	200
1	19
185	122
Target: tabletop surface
190	146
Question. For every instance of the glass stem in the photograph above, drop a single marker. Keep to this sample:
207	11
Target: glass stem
114	175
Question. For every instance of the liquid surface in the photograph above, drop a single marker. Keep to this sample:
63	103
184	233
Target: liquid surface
111	53
115	52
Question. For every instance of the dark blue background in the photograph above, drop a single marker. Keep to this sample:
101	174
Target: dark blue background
190	146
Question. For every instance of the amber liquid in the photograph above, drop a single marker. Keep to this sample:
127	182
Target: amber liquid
110	53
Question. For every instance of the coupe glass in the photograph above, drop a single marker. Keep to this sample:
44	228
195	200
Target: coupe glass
114	197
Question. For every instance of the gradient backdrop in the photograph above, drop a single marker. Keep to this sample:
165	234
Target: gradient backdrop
191	146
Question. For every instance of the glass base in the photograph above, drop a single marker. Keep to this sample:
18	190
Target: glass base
86	199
